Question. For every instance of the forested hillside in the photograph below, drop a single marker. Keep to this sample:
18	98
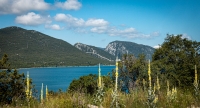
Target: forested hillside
29	48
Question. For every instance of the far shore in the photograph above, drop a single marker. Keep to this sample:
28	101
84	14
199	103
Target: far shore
64	66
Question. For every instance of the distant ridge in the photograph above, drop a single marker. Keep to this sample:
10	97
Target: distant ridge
30	48
95	51
118	48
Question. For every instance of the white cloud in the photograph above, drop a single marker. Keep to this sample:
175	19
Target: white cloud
186	36
69	5
79	22
157	46
21	6
155	33
100	26
96	22
100	30
32	19
69	20
54	27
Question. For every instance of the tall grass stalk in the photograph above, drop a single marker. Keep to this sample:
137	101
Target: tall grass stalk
99	96
151	99
196	85
41	95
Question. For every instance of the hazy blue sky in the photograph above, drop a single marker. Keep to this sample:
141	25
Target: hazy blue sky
98	22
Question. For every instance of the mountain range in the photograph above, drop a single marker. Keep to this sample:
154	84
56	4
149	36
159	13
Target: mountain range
117	49
30	48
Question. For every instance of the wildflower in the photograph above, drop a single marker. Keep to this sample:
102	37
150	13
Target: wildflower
27	89
154	88
158	84
152	100
156	99
47	92
149	74
99	78
196	88
41	97
116	73
195	81
30	93
144	82
168	92
100	92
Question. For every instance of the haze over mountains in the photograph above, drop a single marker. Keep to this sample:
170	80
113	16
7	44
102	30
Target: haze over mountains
29	48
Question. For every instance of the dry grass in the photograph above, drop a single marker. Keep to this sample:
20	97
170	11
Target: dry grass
137	98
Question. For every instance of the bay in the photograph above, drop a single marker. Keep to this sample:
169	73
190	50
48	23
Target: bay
60	77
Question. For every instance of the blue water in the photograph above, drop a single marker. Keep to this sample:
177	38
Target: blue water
60	77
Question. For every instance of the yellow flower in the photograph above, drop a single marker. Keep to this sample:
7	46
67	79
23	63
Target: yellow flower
116	73
31	93
156	99
41	96
28	94
158	84
99	78
195	81
47	92
144	82
149	74
168	92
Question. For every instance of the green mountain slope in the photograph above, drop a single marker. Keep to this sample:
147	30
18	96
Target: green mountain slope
95	51
29	48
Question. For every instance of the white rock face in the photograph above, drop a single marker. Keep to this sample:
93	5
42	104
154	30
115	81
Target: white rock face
87	49
84	47
111	48
118	48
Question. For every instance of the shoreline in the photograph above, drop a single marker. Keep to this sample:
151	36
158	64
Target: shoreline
64	66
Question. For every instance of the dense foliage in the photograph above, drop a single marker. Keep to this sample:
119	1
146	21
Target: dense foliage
88	84
176	59
131	69
29	48
12	83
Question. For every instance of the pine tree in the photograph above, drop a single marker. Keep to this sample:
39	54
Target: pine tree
12	84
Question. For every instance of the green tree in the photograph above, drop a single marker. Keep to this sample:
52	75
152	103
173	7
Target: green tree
175	59
3	62
131	71
12	83
88	84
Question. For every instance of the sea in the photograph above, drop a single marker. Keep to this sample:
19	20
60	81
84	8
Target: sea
60	77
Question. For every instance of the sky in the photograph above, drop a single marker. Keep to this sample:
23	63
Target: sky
99	22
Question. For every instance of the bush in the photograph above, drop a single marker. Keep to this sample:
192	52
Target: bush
88	84
11	83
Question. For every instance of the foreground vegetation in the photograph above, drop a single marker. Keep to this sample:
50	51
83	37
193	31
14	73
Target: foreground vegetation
135	99
169	81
